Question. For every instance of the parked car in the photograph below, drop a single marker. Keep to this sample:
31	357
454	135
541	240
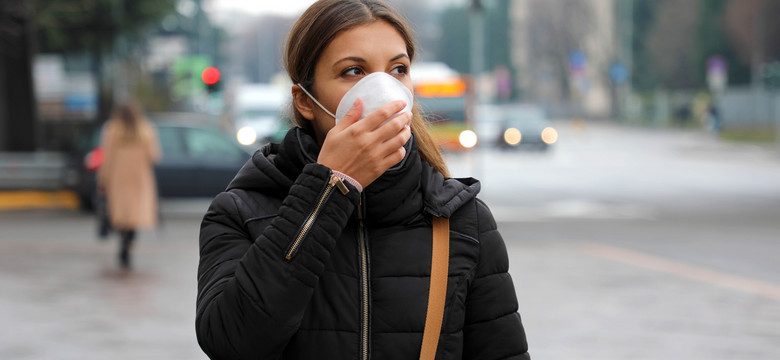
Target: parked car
197	161
259	113
516	126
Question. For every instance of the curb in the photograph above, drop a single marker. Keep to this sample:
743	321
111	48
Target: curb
38	199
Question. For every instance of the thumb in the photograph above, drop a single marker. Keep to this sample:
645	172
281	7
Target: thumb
353	114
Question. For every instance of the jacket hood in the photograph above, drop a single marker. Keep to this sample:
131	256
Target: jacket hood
400	194
260	174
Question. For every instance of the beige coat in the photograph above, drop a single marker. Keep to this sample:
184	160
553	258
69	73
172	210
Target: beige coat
127	175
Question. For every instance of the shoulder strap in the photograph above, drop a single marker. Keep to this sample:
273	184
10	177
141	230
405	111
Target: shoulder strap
437	293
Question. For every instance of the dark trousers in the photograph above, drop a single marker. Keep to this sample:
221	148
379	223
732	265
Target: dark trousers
126	238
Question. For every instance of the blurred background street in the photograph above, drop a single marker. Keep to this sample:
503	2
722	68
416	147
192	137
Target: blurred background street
628	149
605	266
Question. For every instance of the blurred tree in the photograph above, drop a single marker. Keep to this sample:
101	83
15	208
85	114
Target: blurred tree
714	39
94	26
89	25
498	25
672	42
752	27
556	29
674	38
644	75
454	47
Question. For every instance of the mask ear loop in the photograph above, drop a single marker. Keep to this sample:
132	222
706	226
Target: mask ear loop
315	100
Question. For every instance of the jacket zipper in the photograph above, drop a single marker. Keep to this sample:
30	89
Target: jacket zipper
334	181
363	283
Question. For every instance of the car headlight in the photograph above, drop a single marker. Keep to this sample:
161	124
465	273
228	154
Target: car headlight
512	136
549	135
468	139
246	136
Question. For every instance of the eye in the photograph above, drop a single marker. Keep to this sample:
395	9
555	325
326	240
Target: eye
400	70
352	71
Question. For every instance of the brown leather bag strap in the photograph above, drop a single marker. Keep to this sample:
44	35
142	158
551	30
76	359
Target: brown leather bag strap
437	293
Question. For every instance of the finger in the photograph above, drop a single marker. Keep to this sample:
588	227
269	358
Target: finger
378	116
395	125
352	115
394	157
396	141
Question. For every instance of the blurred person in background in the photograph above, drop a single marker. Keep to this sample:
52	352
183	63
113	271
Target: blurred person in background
321	245
126	177
712	117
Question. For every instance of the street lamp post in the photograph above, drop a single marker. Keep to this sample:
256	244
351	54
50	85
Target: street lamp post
477	47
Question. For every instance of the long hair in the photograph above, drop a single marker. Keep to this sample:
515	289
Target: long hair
319	25
129	117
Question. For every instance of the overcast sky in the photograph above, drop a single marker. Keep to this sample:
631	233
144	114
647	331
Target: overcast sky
262	7
281	7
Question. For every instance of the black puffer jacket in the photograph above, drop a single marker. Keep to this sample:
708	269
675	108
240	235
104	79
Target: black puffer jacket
355	285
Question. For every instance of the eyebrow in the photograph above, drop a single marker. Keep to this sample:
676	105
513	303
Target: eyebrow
362	60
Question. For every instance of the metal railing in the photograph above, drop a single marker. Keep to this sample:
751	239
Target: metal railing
40	170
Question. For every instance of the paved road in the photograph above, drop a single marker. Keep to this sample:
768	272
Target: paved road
641	244
680	265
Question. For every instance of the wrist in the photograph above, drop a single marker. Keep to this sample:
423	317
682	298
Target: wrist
348	179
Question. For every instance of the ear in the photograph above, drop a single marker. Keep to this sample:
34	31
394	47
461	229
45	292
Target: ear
302	103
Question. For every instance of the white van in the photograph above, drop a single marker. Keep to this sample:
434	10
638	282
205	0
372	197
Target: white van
258	111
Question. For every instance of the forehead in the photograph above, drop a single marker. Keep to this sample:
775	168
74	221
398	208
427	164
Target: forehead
374	38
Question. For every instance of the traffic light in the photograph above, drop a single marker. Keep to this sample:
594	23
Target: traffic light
210	77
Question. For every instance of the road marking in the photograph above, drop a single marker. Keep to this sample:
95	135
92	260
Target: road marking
751	286
573	209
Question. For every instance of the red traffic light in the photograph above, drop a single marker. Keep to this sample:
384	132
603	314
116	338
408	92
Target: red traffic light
210	75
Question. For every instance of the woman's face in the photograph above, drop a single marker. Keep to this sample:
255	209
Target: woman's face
353	54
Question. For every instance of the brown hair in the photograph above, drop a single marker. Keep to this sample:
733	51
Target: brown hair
319	25
129	118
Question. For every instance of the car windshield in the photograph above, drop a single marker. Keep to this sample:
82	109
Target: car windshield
257	113
525	118
204	144
171	143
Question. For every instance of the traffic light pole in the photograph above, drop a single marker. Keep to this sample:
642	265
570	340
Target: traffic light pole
477	48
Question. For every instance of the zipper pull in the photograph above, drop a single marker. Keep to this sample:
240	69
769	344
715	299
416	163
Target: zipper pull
336	181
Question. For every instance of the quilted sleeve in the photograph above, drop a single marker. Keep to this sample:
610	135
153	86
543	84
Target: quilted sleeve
251	296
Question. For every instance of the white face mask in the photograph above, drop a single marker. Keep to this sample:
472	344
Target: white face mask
375	90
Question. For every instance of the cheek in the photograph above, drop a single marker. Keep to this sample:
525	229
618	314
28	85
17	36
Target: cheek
338	94
408	82
329	95
336	99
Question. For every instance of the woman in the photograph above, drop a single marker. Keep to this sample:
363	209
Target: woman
321	245
126	176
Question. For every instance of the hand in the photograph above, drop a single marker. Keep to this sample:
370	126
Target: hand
363	149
